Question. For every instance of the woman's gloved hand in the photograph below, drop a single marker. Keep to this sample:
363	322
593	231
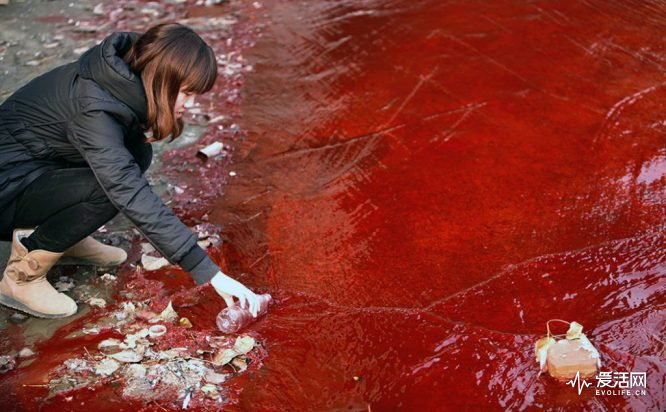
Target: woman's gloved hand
228	288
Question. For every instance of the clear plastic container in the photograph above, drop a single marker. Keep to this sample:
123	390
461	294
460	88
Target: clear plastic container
234	318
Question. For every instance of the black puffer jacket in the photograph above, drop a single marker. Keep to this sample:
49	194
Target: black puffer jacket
90	112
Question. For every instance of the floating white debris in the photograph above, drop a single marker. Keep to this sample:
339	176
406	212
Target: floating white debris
136	370
99	9
26	353
157	330
108	278
147	248
242	346
214	377
567	358
131	340
77	364
18	317
211	150
80	50
240	363
153	263
126	356
186	401
7	363
64	284
106	367
232	173
167	315
99	302
218	119
109	346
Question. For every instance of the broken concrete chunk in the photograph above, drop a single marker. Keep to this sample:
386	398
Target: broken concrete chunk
224	356
214	377
99	9
26	353
244	344
153	263
109	346
210	391
7	363
77	364
98	302
147	248
108	278
17	317
64	284
106	367
126	356
167	315
240	364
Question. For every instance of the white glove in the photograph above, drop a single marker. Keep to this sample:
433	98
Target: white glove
228	288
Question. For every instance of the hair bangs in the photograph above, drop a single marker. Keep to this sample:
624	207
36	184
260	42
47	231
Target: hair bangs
203	72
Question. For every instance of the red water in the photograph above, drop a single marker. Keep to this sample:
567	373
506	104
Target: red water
424	184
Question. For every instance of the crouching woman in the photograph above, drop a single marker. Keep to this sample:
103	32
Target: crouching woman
73	153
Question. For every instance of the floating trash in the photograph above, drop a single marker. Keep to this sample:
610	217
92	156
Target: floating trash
565	358
153	263
157	331
7	363
109	346
243	345
167	315
64	284
108	278
98	302
26	353
106	367
211	150
185	323
126	356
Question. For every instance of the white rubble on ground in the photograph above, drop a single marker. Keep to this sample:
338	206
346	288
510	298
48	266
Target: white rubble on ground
153	263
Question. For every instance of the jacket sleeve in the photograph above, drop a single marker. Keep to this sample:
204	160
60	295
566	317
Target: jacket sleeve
99	137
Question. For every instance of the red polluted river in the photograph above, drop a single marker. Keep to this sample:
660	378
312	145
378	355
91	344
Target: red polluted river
422	185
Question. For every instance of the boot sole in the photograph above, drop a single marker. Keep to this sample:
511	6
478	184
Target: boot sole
73	261
14	304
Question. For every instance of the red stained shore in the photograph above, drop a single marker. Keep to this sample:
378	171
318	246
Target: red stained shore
423	184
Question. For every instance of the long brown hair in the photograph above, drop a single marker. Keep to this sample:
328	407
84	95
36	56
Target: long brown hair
167	57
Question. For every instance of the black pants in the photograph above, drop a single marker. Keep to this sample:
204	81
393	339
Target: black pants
66	205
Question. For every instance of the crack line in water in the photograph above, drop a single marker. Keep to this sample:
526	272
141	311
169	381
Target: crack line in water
466	108
422	79
511	267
